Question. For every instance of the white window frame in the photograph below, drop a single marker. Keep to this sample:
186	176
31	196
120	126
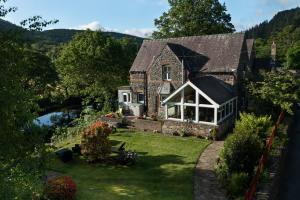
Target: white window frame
230	109
161	99
196	105
166	73
128	97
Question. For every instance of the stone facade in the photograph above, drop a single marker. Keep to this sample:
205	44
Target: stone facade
155	79
137	83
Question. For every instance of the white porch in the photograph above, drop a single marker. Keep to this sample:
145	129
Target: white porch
190	103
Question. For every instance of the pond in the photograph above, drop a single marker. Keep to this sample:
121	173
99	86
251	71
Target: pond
59	117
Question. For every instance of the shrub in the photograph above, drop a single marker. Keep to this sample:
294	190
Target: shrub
241	152
60	188
95	144
238	183
64	155
213	134
251	124
222	173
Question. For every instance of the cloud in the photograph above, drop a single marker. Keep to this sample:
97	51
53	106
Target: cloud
285	2
282	3
94	26
162	2
143	32
259	12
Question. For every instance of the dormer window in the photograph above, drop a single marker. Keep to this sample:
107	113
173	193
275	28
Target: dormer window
166	72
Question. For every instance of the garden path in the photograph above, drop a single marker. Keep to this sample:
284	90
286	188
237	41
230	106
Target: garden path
206	185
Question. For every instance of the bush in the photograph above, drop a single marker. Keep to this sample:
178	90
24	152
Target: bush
222	173
64	155
95	144
61	188
238	184
251	124
242	152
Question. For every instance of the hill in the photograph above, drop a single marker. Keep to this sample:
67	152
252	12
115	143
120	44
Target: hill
56	36
276	24
283	29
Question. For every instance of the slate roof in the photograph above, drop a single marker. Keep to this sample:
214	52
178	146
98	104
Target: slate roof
217	90
208	53
124	88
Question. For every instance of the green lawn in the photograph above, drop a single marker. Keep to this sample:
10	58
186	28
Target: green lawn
164	170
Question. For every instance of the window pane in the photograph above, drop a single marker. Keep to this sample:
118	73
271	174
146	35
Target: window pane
141	97
202	100
227	109
189	113
219	115
206	114
166	72
189	95
124	97
174	111
176	98
223	112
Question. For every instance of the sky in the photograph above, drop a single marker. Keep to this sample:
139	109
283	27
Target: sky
134	17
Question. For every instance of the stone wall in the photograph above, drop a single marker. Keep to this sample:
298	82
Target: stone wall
173	127
148	125
170	127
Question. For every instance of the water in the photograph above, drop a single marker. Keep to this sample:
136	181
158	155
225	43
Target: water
57	117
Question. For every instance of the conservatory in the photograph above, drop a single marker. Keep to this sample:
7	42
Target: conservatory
205	100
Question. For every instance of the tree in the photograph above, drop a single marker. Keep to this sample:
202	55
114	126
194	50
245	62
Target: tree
21	143
193	17
280	88
93	65
293	57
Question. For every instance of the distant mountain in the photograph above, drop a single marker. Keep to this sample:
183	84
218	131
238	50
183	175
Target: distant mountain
283	29
56	36
281	20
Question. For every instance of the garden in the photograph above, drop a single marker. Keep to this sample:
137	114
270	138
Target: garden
163	167
259	136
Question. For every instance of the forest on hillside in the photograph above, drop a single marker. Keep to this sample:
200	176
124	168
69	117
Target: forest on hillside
284	30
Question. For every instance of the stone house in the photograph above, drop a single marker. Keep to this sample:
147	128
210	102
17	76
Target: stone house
198	79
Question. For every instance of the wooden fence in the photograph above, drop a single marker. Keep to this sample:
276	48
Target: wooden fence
253	185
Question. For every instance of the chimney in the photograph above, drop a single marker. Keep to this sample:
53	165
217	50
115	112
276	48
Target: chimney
273	51
273	56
